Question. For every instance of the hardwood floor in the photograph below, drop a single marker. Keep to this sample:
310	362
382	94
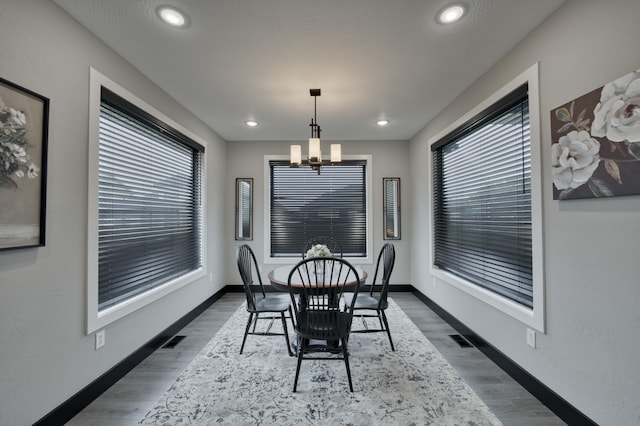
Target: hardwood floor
129	399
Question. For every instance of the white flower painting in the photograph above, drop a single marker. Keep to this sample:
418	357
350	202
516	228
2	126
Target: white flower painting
595	148
24	118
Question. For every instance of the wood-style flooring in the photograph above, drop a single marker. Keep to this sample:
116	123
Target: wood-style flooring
126	402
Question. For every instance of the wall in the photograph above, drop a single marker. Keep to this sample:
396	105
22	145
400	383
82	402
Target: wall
45	356
246	159
589	354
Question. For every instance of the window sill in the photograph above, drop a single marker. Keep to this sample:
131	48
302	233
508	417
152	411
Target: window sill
518	312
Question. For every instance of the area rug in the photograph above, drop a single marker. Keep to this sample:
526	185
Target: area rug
414	385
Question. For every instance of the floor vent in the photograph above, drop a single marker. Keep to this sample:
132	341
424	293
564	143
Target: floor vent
173	342
461	341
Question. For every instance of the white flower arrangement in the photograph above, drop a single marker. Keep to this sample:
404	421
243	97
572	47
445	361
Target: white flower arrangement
14	160
318	250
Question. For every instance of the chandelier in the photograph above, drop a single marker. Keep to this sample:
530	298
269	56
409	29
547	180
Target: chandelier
314	159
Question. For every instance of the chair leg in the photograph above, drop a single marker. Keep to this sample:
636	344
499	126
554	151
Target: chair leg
246	332
255	324
286	333
386	326
345	354
301	349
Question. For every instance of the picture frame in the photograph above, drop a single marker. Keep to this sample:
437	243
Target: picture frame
24	126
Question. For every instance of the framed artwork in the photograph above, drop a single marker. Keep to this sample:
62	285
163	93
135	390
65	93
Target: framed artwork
596	142
24	123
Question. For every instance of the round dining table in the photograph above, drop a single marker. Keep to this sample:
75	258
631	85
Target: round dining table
279	278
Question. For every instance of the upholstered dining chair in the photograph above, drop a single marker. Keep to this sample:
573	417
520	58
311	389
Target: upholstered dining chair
332	244
260	302
376	299
320	283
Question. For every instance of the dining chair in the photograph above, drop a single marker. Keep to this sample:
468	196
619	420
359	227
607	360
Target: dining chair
321	283
376	300
332	244
259	301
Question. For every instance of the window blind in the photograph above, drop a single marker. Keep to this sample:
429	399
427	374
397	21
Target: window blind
305	205
482	200
149	200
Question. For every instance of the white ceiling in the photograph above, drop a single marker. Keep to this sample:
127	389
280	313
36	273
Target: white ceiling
257	59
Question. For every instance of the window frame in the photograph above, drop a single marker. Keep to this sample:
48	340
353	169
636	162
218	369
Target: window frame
532	317
97	319
268	259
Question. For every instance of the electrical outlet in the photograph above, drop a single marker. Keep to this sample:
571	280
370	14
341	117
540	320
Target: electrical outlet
211	277
435	282
531	338
100	339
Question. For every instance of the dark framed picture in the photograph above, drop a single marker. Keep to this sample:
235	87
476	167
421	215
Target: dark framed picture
24	124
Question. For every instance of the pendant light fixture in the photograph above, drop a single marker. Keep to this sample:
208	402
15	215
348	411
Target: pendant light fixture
314	159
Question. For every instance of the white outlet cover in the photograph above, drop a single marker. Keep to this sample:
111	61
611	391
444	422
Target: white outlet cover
531	337
100	339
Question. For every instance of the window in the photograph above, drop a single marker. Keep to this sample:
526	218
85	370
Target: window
483	228
147	225
305	204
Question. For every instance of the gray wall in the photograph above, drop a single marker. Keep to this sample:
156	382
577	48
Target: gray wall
389	158
45	356
589	355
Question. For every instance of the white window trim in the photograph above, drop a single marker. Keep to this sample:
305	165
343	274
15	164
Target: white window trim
99	319
267	211
535	317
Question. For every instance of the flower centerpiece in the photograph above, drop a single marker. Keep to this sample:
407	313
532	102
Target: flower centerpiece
318	250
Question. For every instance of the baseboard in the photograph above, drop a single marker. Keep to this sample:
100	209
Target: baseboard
269	289
67	410
548	397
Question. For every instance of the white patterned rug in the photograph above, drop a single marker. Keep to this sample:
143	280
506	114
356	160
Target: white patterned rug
414	385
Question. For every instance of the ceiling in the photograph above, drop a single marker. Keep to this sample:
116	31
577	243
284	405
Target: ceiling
257	59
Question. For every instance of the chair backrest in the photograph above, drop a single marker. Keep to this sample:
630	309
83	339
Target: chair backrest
248	265
332	244
384	266
320	283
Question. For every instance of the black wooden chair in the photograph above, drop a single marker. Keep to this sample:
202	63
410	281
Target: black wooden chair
376	300
260	302
321	316
332	244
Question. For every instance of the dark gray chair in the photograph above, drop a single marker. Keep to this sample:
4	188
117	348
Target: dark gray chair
260	302
320	316
332	244
376	299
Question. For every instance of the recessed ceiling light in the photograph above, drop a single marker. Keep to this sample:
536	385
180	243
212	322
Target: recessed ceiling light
382	122
172	16
451	14
251	123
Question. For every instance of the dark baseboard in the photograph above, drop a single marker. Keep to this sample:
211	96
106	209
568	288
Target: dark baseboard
68	409
548	397
270	289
